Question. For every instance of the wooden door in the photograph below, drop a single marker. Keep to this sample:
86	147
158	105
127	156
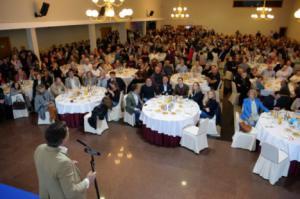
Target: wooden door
5	48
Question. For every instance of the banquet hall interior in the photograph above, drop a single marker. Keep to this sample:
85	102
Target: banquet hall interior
171	98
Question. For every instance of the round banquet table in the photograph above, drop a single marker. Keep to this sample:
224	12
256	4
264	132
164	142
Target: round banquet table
272	85
260	66
189	79
65	68
73	105
282	136
127	74
164	127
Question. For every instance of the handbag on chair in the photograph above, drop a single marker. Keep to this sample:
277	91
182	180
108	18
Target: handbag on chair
18	104
245	127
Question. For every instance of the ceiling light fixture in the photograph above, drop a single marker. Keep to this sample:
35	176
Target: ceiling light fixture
180	12
107	10
263	13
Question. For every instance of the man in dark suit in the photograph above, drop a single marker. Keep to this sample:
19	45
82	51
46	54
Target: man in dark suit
214	78
243	84
181	89
165	88
148	90
121	84
157	77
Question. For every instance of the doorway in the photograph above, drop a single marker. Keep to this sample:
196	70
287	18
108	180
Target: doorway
5	47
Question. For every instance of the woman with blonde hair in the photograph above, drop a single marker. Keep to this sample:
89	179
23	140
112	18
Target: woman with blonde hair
210	105
252	106
196	94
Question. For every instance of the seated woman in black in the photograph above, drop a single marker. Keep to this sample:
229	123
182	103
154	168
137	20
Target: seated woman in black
113	93
210	106
197	95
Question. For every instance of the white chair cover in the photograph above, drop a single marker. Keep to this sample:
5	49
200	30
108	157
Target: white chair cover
243	140
128	118
218	92
101	125
116	113
19	113
212	129
272	163
195	138
46	120
221	91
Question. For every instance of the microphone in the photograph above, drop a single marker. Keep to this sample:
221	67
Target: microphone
92	152
88	149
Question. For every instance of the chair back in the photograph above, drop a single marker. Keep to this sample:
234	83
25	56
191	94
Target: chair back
219	86
124	100
233	87
120	99
17	97
228	75
236	122
139	85
203	127
218	96
270	152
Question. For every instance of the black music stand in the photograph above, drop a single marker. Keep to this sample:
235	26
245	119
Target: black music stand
92	153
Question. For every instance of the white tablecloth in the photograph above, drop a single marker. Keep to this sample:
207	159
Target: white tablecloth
260	66
273	85
184	113
65	68
79	100
127	74
282	136
189	79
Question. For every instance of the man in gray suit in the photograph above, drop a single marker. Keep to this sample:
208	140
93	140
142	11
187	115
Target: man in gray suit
58	175
134	103
72	81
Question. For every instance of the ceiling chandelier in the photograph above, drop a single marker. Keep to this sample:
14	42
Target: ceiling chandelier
263	13
107	9
297	14
180	12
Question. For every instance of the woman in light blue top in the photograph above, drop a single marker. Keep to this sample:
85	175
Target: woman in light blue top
102	80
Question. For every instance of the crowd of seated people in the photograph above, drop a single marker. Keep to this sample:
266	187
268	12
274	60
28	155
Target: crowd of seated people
157	56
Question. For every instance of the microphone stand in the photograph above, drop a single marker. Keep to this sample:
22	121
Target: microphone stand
92	153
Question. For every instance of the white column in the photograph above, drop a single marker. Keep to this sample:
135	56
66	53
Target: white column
92	36
122	32
144	28
32	42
